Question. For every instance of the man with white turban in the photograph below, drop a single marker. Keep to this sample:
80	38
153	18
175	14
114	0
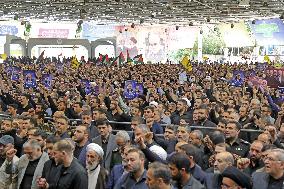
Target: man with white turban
96	174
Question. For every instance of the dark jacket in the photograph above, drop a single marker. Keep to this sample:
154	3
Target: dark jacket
213	181
51	172
198	173
82	156
111	145
93	131
157	128
260	180
168	145
74	177
193	184
127	181
114	176
102	177
176	117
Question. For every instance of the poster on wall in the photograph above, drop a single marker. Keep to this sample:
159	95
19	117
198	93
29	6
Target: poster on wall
268	32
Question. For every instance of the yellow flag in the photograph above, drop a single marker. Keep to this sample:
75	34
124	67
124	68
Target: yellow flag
75	63
186	63
3	56
267	59
278	65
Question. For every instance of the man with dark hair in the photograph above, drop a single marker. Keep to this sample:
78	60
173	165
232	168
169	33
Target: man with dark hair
39	108
116	114
181	113
77	108
193	155
179	165
135	121
81	138
51	169
203	114
24	104
159	176
237	146
61	127
106	140
12	110
39	136
136	177
155	127
253	162
72	174
87	120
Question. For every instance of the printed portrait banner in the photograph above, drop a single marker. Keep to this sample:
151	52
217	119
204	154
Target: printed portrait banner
29	79
275	77
261	66
139	89
87	86
9	70
238	78
46	80
129	89
16	73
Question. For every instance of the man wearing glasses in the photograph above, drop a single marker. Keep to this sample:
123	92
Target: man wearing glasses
273	177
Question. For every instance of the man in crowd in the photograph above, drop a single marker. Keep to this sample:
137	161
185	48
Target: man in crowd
234	178
237	145
61	127
181	113
179	165
273	176
51	169
136	177
29	167
72	174
106	140
81	138
158	176
97	175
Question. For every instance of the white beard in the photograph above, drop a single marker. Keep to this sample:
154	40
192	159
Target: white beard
91	166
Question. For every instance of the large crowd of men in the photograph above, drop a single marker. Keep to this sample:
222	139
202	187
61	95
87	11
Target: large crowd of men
189	130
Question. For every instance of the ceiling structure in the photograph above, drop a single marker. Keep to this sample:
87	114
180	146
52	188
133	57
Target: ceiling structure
170	12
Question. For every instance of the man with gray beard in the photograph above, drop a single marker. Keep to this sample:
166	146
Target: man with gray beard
222	161
96	174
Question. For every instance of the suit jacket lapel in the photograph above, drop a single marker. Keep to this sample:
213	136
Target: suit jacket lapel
23	164
39	167
110	145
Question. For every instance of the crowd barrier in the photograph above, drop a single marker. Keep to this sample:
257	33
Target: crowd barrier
246	134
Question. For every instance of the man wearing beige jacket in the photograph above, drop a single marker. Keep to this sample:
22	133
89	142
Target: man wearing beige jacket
24	172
